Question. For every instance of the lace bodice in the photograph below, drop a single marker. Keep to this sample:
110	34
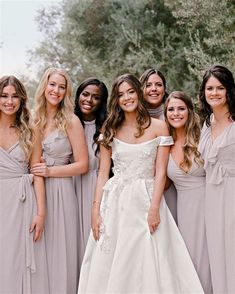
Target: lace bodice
134	161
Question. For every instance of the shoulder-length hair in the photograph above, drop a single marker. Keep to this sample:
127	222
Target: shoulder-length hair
65	108
192	131
23	119
225	77
145	76
101	112
116	114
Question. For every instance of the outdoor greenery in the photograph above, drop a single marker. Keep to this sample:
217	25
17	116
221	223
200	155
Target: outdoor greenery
105	38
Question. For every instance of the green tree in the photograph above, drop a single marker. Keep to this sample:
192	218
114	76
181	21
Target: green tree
107	38
211	27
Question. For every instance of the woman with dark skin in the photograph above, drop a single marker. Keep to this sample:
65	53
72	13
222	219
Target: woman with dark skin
90	107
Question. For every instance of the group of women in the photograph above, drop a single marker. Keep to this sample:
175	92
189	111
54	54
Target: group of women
82	184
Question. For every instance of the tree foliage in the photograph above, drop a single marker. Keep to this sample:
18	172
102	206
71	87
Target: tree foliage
105	38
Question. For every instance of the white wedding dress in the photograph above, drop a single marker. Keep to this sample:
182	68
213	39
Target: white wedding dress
127	258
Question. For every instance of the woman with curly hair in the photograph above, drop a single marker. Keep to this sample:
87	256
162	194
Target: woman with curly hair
217	146
64	156
22	196
90	107
185	169
135	246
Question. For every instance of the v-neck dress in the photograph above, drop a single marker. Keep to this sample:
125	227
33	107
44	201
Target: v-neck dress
219	164
191	216
61	227
23	267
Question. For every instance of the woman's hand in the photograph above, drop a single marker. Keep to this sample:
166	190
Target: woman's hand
37	226
96	222
40	169
153	219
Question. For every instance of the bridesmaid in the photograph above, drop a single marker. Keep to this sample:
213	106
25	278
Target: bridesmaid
153	84
63	138
217	145
90	107
185	169
22	197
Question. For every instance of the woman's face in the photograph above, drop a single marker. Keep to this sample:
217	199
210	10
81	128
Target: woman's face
215	93
177	113
9	100
127	98
89	102
55	90
154	91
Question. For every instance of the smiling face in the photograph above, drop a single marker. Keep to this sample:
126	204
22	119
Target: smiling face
215	93
55	90
154	91
177	113
90	102
9	101
127	97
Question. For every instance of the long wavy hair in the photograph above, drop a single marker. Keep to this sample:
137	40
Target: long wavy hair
145	77
101	112
192	131
65	108
116	115
225	77
23	119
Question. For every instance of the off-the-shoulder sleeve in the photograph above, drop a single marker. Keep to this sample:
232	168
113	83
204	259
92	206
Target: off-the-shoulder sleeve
166	141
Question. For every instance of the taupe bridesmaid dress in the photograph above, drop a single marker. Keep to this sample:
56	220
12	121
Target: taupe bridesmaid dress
219	157
61	226
85	188
191	216
23	267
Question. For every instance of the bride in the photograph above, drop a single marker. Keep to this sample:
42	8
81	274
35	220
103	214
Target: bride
135	246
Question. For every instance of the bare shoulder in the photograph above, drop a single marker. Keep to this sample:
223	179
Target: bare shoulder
74	122
160	127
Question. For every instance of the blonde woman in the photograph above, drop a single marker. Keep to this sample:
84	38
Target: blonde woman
185	169
22	197
64	156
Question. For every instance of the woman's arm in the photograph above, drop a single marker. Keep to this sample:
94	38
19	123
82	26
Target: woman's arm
77	139
103	176
159	183
38	221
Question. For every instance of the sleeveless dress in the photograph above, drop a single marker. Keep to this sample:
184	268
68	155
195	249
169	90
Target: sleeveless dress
219	158
191	188
127	258
85	188
23	267
62	218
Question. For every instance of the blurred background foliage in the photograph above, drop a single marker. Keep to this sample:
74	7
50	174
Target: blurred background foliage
106	38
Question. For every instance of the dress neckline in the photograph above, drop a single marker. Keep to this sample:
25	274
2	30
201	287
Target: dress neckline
11	147
89	122
141	143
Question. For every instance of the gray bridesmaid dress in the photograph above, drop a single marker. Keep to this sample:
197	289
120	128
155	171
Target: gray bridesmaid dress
219	158
191	216
85	188
23	267
62	218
